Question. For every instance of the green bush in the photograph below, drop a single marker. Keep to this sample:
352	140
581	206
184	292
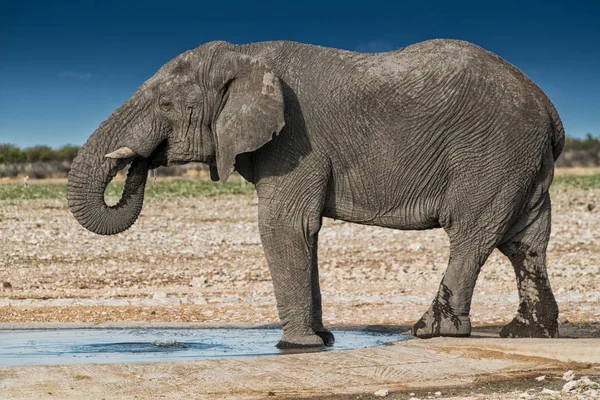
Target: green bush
581	152
9	153
67	153
40	153
577	152
12	154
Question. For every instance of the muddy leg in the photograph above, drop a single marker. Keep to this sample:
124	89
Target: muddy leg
538	312
448	315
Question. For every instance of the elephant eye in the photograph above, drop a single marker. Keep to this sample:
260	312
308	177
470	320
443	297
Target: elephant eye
166	105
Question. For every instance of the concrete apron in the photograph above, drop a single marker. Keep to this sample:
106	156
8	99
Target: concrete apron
414	364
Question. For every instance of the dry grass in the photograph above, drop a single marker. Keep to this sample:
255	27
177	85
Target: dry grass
576	171
197	257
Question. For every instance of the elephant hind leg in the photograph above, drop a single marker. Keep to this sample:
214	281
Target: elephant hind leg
448	314
475	224
538	312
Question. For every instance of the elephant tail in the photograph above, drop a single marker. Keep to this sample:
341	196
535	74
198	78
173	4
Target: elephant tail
557	132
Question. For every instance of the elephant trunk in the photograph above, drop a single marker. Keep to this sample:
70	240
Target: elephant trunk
91	172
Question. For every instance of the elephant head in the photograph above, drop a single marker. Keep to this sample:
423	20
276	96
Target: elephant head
207	105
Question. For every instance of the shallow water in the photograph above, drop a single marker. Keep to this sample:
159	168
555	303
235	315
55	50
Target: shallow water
113	346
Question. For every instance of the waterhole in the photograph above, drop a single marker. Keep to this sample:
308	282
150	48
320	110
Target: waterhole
111	346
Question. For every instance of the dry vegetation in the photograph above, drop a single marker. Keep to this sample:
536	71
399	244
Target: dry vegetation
41	162
195	255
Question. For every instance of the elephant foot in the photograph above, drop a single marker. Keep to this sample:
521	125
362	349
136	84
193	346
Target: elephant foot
520	327
436	323
300	341
326	336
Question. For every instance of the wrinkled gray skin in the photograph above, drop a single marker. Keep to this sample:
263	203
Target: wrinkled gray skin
439	134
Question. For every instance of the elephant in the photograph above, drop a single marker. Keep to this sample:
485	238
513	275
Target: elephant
439	134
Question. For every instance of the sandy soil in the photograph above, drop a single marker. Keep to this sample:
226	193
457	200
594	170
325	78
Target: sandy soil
577	171
442	368
201	260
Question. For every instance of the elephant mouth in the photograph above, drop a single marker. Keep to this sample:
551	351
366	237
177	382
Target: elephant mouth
125	156
166	155
136	167
158	157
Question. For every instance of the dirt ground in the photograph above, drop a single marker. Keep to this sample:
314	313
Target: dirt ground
476	368
200	260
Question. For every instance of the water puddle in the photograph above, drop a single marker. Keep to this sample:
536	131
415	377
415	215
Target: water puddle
112	346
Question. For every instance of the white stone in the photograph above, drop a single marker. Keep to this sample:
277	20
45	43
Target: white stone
199	300
569	386
416	246
549	391
583	385
568	376
540	378
198	281
382	393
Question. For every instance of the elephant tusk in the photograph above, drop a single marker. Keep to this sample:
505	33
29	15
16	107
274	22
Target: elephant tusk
123	152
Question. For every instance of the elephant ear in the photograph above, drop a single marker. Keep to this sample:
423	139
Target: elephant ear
252	113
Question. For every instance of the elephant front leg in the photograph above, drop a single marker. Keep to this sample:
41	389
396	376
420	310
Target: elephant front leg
317	311
288	248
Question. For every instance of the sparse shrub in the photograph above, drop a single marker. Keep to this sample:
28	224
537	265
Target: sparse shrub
45	162
12	154
40	153
9	153
581	152
67	153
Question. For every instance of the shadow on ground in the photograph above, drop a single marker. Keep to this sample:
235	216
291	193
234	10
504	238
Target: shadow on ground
567	330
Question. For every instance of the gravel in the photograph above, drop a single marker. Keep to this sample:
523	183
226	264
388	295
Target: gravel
201	260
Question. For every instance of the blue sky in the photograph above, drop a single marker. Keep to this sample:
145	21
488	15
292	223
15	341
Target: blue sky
65	66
